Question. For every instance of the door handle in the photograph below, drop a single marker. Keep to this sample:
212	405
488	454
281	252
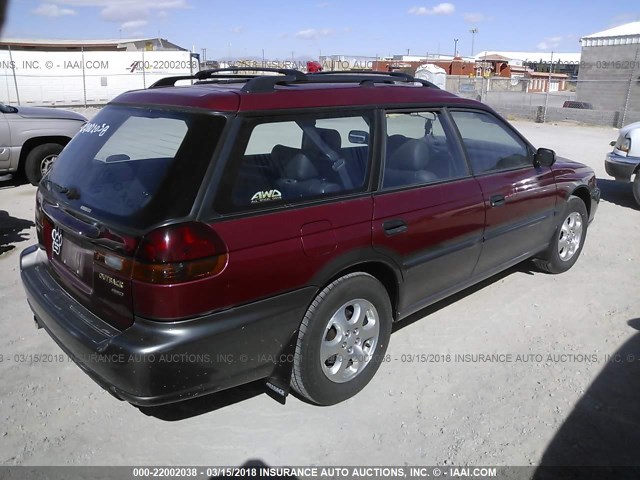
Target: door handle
394	227
497	200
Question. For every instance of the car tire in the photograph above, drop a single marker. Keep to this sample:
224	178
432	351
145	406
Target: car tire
636	188
352	317
568	239
39	160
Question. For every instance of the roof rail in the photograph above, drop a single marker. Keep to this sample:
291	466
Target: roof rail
398	75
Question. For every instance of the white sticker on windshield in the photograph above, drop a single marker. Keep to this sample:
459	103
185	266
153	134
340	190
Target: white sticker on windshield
94	128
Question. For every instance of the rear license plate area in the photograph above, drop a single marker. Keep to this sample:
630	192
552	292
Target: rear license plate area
69	255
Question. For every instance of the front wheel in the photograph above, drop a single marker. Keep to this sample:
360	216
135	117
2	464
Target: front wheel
636	188
343	338
568	239
40	160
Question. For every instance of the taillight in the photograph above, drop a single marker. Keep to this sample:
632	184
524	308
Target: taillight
39	217
624	144
179	253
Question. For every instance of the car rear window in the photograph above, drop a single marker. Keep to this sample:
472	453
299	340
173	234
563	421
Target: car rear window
136	166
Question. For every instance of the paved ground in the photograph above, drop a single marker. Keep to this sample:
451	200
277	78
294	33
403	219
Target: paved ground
559	401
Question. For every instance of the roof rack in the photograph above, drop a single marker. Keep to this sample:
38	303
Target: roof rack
266	83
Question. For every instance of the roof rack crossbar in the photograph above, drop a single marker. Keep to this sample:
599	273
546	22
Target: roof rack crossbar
283	71
216	73
267	83
170	81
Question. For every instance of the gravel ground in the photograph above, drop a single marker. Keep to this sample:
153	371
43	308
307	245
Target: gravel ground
551	398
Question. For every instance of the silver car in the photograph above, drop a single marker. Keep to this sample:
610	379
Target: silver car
32	137
624	161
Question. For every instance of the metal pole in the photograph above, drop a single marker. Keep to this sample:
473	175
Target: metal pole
546	99
144	79
13	69
473	38
84	81
626	102
483	98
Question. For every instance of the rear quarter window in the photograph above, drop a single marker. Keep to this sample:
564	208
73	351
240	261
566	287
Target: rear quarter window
280	162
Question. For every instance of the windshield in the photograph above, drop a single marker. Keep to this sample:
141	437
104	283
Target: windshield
136	166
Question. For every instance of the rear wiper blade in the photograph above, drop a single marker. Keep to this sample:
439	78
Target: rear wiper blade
70	192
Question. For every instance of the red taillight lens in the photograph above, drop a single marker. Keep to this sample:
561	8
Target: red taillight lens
39	217
180	253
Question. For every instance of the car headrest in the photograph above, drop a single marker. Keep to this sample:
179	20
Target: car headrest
300	168
411	155
281	154
395	141
330	137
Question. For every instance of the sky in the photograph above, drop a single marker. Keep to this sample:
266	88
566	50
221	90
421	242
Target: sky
304	29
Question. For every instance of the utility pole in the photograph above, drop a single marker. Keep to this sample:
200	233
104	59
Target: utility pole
455	47
626	102
546	99
473	32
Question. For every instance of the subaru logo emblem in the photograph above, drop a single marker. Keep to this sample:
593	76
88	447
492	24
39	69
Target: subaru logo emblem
56	236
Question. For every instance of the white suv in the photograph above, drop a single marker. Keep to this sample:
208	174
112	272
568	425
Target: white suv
624	161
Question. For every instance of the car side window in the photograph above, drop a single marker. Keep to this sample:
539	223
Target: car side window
490	145
293	160
420	150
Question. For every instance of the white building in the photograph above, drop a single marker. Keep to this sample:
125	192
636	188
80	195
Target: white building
79	72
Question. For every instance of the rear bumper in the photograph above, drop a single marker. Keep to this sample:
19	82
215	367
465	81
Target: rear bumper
595	202
154	363
619	167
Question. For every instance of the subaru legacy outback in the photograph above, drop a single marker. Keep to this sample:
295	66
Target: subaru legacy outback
192	238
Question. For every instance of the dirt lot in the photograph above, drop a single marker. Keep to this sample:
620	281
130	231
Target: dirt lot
559	401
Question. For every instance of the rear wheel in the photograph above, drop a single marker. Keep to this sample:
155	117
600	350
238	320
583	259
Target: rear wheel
342	339
40	160
568	240
636	188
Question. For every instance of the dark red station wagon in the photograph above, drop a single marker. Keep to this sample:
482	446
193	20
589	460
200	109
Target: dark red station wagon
245	226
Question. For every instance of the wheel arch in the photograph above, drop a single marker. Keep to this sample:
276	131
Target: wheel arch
34	142
583	193
381	272
365	260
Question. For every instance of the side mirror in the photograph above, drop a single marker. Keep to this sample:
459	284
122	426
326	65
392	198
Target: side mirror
613	143
359	137
544	157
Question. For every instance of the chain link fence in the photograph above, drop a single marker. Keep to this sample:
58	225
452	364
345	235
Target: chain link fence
610	101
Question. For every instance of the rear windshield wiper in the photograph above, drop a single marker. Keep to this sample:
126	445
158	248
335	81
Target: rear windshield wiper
70	192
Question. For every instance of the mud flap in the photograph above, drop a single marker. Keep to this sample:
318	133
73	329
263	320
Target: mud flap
278	384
